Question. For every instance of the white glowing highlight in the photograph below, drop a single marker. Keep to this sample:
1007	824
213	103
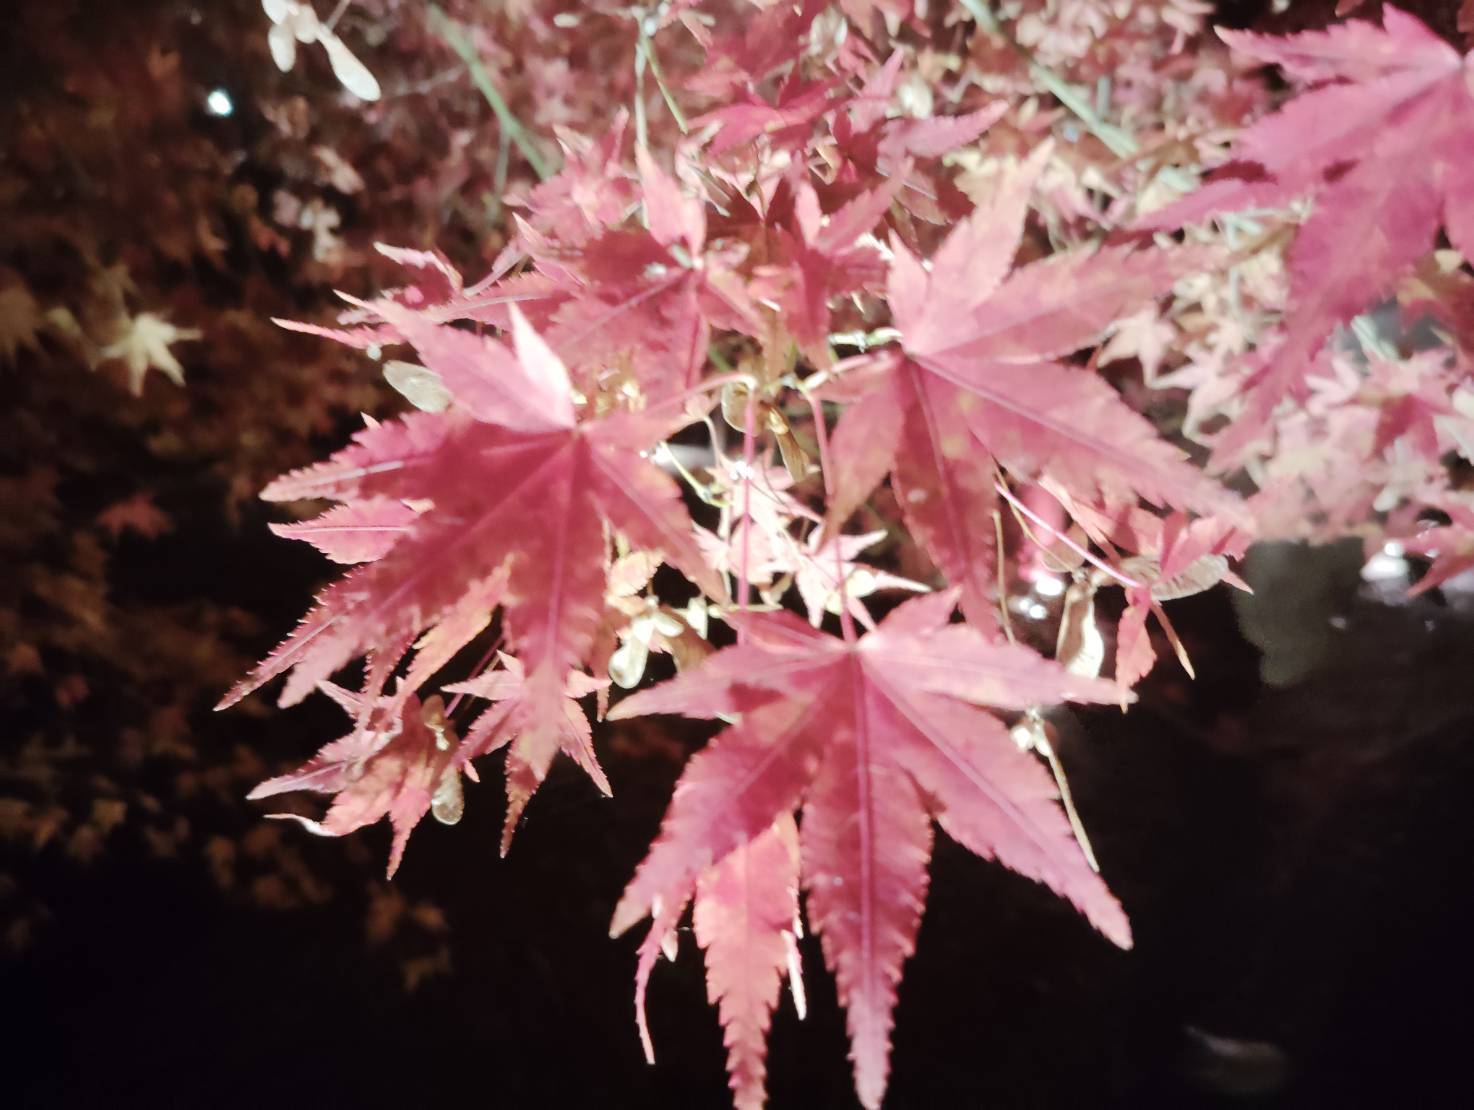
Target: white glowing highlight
1383	567
218	103
1048	585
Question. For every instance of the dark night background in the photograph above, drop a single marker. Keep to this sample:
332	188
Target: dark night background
1294	854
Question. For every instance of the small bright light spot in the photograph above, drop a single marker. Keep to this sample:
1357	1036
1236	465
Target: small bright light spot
1382	567
218	103
1048	585
1393	549
1036	612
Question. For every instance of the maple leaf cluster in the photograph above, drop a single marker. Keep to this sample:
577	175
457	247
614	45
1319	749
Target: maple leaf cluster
818	281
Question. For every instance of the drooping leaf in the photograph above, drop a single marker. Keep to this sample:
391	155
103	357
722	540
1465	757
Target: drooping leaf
874	739
531	751
391	765
744	915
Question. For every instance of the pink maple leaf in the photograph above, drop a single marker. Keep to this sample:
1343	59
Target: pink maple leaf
519	493
823	262
745	917
873	739
1383	143
1449	547
393	764
358	532
531	750
978	385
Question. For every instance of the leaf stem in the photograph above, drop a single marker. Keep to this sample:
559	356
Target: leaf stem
1117	140
454	36
1104	568
698	487
1077	826
647	49
821	437
1002	572
332	20
749	451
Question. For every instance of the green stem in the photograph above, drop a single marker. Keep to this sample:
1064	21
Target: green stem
648	50
454	36
698	487
717	357
1115	139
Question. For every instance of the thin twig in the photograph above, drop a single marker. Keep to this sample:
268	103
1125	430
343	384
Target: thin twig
642	129
332	20
698	487
1117	140
647	48
749	451
454	36
1104	568
1002	577
821	437
1068	801
1040	738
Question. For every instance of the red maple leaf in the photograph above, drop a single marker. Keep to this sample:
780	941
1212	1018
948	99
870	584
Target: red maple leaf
785	124
867	144
979	384
531	750
137	514
590	194
753	42
822	262
519	493
647	298
398	760
1383	144
359	532
874	739
746	918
